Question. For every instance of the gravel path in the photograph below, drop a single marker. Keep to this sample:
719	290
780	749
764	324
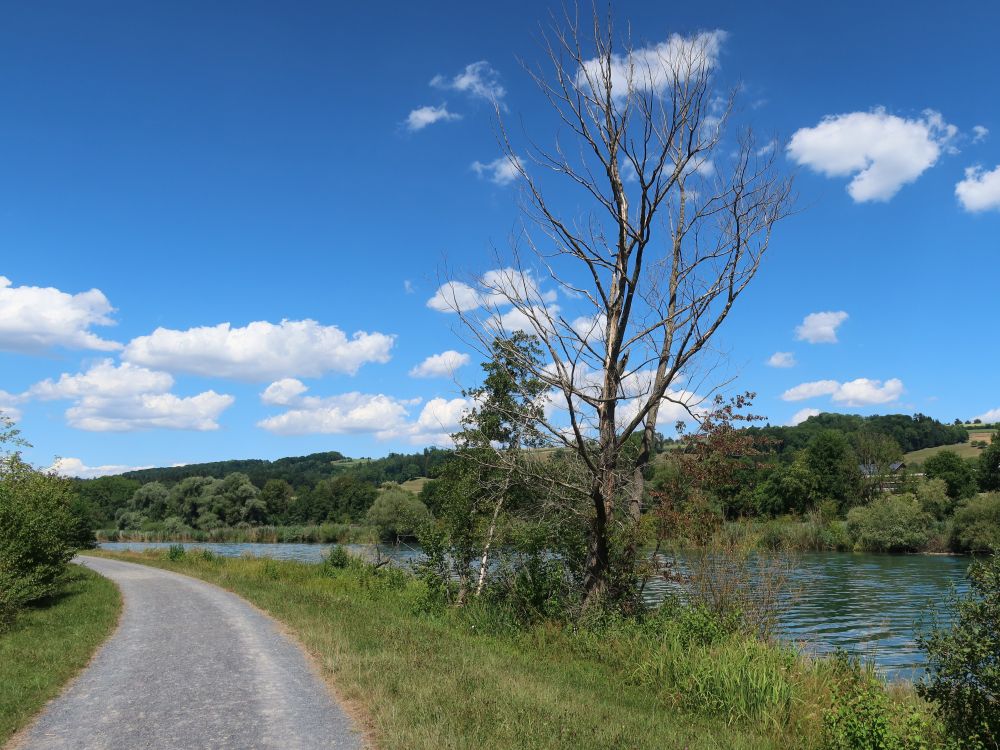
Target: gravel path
191	666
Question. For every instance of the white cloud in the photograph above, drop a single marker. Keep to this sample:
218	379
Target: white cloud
33	318
802	415
283	392
501	171
781	359
821	327
979	133
495	288
7	406
883	152
811	390
125	398
105	380
979	191
865	392
656	67
408	286
421	117
384	416
74	467
260	351
859	392
441	365
479	79
989	417
526	320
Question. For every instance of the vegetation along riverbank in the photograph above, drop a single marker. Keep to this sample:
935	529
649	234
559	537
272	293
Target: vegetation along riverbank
491	675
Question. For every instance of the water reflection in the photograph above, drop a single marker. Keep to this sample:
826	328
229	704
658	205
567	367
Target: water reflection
866	604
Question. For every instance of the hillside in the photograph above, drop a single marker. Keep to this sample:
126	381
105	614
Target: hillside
965	450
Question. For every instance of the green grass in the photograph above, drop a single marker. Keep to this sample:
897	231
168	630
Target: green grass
415	485
451	680
965	450
51	642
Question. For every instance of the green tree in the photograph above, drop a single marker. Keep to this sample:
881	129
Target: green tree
976	525
151	500
958	474
988	472
277	497
833	464
890	523
397	514
963	660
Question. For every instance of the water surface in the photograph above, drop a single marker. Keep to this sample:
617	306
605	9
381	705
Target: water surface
866	604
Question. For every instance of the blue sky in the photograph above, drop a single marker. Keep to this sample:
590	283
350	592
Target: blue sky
254	163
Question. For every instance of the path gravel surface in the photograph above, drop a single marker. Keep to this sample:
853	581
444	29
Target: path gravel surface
191	666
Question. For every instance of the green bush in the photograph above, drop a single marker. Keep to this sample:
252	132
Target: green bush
958	474
891	523
963	661
38	534
397	514
338	559
863	717
176	552
932	494
976	526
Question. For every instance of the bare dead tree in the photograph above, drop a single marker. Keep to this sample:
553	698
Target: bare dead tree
678	211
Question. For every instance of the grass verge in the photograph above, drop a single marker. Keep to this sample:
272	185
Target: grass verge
50	642
431	679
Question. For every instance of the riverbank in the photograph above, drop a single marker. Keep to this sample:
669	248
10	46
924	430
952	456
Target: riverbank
325	533
429	678
50	642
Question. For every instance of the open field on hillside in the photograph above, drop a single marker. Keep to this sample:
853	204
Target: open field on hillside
965	450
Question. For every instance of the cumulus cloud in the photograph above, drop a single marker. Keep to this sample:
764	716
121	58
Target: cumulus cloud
7	406
259	351
989	417
438	419
34	318
421	117
811	390
478	79
979	133
781	359
802	415
125	398
658	66
820	327
980	190
441	365
858	392
283	392
501	171
493	289
74	467
883	152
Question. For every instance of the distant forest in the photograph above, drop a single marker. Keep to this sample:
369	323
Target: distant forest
328	487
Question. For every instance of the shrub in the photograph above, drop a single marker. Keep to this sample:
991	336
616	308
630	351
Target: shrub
958	474
862	716
176	552
964	660
338	559
397	514
976	526
932	494
891	523
38	534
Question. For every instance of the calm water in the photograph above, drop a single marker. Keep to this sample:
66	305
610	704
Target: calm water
867	604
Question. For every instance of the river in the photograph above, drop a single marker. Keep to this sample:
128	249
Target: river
866	604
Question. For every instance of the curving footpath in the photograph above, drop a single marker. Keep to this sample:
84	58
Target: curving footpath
190	666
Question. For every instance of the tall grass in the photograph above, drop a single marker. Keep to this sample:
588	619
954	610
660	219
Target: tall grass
50	641
429	677
325	533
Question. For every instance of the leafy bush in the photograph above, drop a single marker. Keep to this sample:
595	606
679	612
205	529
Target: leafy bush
176	552
338	559
862	716
959	475
397	514
932	494
891	523
964	661
38	534
976	526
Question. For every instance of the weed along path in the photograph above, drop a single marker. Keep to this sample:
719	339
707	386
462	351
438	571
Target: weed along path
190	666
